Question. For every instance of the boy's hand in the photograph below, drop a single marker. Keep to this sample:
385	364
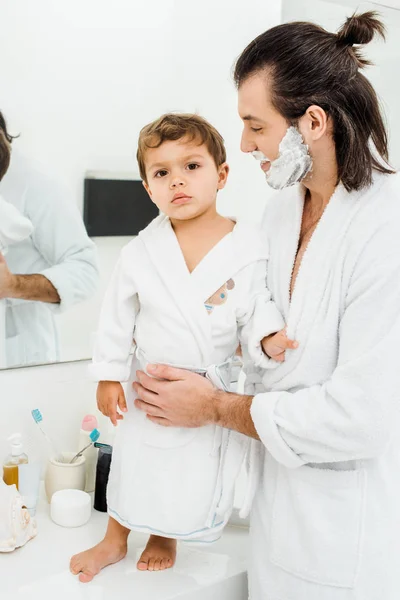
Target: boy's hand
276	344
110	394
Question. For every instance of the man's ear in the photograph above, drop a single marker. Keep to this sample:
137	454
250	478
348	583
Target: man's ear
223	172
314	123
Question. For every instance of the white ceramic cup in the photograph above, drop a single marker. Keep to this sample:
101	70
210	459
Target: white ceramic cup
65	476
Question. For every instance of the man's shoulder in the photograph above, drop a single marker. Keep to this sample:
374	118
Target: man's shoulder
379	207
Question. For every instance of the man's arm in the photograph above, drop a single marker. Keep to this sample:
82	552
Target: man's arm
233	412
60	237
26	287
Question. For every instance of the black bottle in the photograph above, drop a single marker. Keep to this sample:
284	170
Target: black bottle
102	473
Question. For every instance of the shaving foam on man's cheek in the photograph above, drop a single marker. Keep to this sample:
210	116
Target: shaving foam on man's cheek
293	163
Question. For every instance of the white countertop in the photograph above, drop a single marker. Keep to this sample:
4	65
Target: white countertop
40	569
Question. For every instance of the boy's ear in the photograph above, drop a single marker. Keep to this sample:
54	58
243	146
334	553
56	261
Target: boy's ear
223	172
148	190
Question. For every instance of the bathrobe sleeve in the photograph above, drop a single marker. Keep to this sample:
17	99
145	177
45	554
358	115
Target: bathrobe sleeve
60	237
352	415
114	337
257	316
14	227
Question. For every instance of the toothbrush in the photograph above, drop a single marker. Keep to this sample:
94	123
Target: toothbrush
38	418
100	445
94	436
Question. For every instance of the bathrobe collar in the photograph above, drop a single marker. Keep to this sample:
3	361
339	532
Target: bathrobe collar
325	246
190	290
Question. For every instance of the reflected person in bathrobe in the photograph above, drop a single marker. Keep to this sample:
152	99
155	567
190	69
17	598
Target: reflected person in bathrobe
325	522
49	271
14	228
189	288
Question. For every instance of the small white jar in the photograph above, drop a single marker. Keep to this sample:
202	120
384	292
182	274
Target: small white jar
63	475
70	508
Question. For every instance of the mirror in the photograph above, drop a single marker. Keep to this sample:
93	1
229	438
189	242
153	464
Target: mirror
79	82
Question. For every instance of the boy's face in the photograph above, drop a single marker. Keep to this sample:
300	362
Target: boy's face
182	179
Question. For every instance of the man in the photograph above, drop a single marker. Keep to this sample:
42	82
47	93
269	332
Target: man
325	521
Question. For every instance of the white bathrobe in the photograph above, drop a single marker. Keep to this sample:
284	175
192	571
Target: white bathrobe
326	518
179	482
59	249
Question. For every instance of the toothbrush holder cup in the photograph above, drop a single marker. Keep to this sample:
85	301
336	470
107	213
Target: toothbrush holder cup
63	475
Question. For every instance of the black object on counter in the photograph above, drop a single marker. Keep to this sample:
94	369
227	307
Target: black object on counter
102	473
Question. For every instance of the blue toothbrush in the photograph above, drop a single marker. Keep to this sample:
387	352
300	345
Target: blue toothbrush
94	436
38	418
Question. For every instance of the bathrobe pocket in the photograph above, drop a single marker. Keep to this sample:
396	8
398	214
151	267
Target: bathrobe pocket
317	524
167	437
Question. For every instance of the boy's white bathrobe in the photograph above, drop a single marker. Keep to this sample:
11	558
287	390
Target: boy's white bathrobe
326	518
173	481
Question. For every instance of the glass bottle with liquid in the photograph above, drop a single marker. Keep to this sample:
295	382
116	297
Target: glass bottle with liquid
16	457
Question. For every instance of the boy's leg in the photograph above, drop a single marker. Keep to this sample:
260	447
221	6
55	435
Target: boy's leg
159	554
109	551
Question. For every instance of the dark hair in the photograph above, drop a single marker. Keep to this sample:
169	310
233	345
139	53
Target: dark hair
308	65
175	126
5	147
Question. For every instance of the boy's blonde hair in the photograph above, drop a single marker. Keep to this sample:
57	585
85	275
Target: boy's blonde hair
172	127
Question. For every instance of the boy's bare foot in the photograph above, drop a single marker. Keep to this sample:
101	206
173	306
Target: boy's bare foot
90	562
159	554
109	551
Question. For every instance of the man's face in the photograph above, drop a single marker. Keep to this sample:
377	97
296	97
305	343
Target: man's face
264	128
182	178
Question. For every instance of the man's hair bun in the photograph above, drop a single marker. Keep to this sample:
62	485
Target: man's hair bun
360	29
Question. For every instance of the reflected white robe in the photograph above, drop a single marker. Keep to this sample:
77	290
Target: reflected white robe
14	228
326	519
59	249
173	481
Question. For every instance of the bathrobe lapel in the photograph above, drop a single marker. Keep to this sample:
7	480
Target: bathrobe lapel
312	280
189	291
165	254
285	248
234	252
324	246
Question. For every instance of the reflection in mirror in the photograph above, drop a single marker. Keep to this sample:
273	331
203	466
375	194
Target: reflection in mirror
45	267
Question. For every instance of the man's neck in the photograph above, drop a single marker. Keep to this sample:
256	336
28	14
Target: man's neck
320	186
